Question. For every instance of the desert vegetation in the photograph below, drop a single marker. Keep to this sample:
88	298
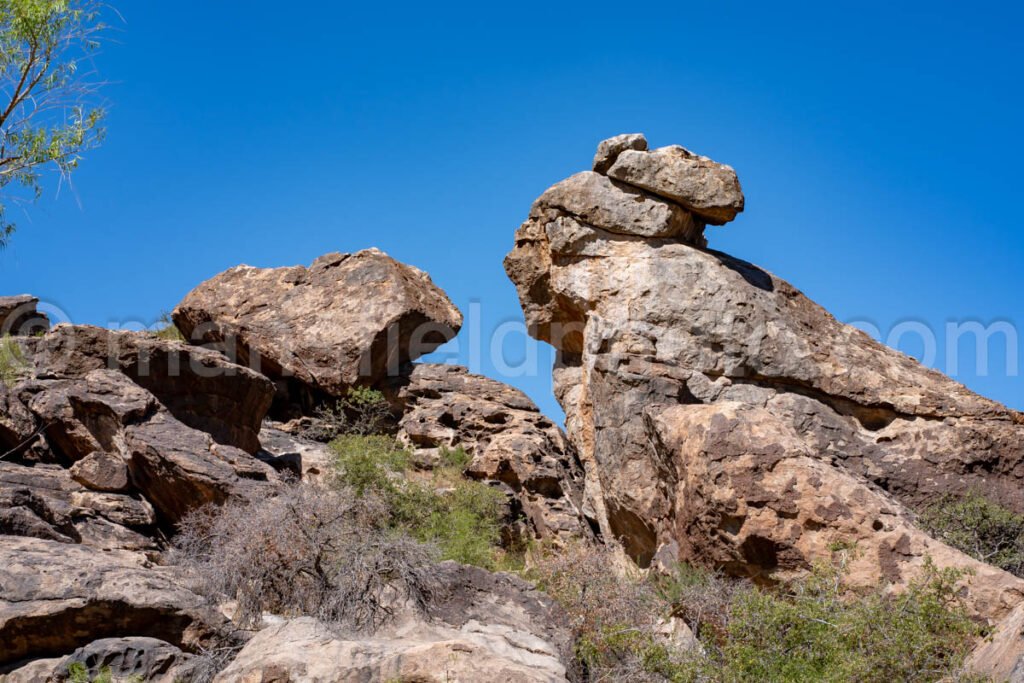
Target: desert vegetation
348	553
812	629
12	361
980	527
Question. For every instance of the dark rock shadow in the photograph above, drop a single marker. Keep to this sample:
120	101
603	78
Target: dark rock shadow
748	271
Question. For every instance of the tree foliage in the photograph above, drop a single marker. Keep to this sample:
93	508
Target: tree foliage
49	110
979	527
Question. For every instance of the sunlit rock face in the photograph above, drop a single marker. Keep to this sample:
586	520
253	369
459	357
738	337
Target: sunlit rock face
649	324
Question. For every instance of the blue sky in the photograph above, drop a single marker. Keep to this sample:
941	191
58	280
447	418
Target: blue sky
878	145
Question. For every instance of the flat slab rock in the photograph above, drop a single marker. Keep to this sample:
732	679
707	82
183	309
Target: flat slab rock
56	597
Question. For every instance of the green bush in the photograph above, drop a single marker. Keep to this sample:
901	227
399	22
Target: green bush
456	458
79	673
362	412
979	527
371	463
816	631
812	629
12	361
461	517
167	330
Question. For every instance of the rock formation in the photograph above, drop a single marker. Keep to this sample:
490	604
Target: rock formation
487	627
347	320
509	440
108	439
19	317
682	370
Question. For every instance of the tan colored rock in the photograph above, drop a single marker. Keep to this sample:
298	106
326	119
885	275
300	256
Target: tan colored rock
482	627
708	189
510	441
1000	656
348	319
643	324
601	202
180	469
750	496
101	471
198	386
45	502
609	150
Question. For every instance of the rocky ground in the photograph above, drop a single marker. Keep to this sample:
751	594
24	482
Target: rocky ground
715	417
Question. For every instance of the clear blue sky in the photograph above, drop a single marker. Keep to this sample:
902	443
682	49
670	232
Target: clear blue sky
879	146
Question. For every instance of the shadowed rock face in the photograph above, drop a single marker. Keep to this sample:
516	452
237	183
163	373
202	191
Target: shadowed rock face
347	320
19	317
56	597
510	441
643	323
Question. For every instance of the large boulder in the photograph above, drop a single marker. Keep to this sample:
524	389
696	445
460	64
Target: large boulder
507	437
643	321
198	386
346	320
483	627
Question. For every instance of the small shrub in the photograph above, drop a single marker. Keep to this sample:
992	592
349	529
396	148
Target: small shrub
13	365
79	673
362	412
614	616
455	458
816	631
979	527
462	518
167	330
372	463
465	523
306	551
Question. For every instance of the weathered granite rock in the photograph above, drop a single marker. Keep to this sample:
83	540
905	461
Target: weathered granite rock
133	658
198	386
94	458
640	322
348	319
487	627
708	189
19	317
609	150
309	460
56	597
752	497
510	441
45	502
101	471
601	202
180	469
1000	656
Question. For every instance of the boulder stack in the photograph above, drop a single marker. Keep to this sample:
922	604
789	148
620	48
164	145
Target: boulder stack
720	415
